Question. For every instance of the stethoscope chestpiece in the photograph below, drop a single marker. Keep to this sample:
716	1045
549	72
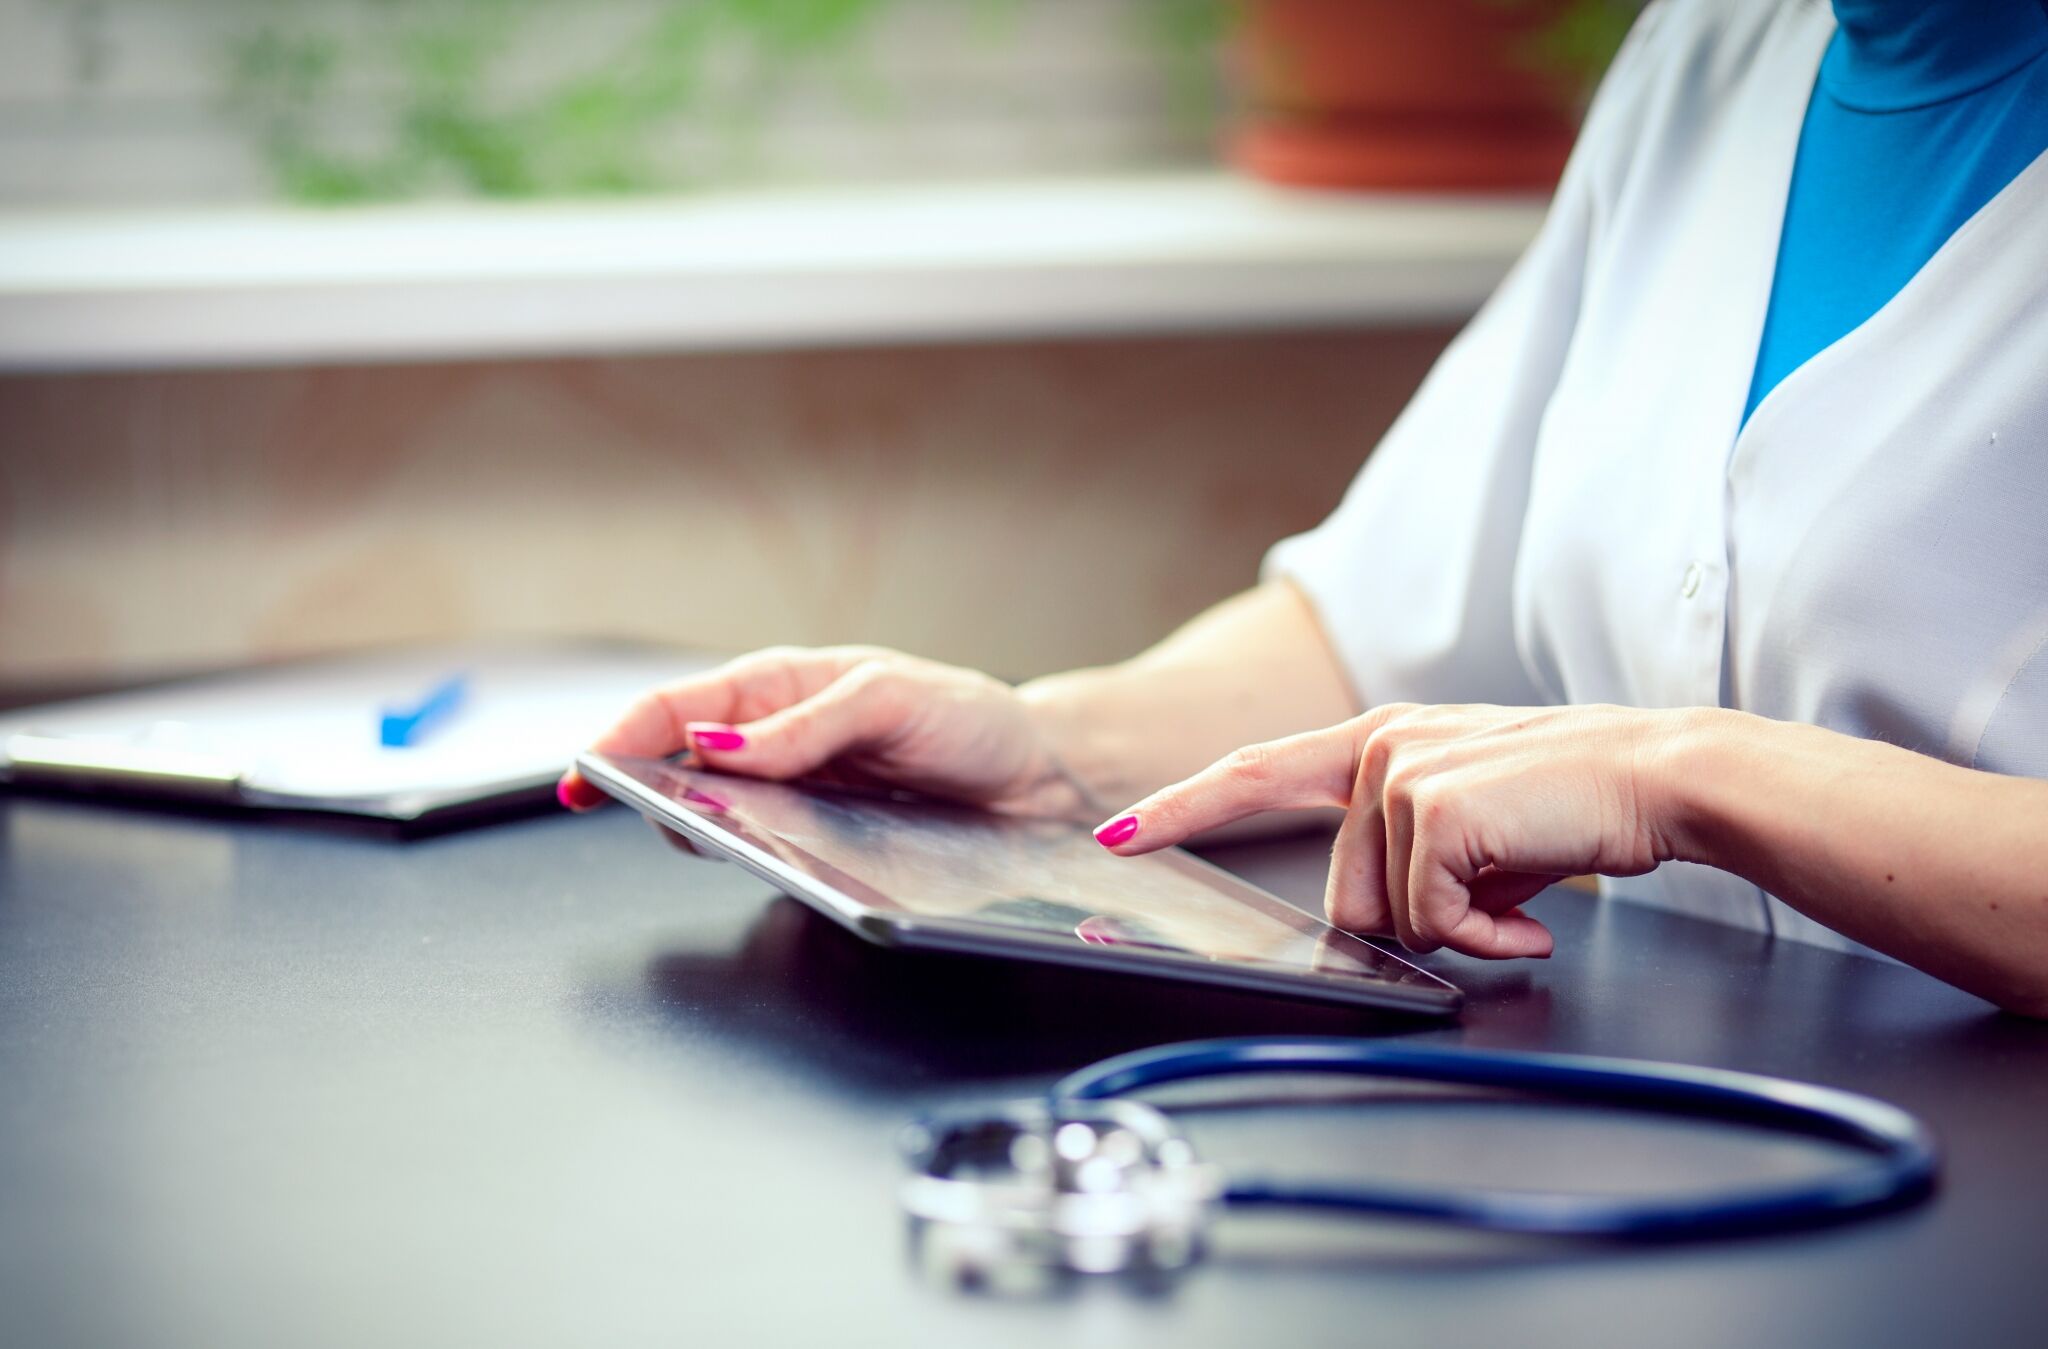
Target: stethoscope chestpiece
1015	1197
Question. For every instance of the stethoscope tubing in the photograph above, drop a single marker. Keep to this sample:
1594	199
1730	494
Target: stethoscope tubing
1900	1170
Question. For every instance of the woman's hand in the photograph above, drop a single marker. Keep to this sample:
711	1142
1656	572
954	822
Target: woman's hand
850	714
1455	815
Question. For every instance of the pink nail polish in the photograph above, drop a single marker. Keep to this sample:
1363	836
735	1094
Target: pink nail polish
715	735
1121	830
576	794
705	799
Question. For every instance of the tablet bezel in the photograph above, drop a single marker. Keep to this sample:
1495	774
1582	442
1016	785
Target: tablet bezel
832	891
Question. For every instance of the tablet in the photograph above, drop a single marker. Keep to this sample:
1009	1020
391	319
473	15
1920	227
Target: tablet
926	875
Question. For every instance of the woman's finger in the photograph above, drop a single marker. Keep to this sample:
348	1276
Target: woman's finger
1509	936
1441	902
575	792
1398	808
1298	773
1497	892
1355	898
654	726
657	723
1416	744
863	707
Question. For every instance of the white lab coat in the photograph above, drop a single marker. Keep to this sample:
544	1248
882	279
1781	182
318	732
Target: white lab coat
1572	511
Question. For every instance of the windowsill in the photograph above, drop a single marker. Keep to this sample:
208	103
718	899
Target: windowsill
1181	253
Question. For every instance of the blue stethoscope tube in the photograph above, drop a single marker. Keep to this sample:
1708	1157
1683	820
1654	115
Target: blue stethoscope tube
1900	1170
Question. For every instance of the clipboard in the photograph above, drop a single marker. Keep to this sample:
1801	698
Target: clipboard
311	735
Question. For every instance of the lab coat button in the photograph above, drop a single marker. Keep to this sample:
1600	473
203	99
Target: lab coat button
1691	585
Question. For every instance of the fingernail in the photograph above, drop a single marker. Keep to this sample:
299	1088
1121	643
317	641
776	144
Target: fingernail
1120	830
715	735
576	794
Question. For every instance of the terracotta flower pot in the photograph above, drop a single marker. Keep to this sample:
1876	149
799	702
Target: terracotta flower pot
1411	94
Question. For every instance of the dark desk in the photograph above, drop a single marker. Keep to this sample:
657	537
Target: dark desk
548	1083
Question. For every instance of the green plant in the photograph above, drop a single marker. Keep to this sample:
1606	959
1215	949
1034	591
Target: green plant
454	123
1579	44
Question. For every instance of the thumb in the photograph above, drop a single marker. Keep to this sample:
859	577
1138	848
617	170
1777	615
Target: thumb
1301	772
860	708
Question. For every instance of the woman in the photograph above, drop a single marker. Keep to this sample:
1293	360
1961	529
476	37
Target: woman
1717	545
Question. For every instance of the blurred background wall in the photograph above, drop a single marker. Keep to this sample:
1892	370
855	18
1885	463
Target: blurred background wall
1018	507
1022	501
339	100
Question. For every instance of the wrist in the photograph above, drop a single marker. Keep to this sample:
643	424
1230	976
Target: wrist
1704	762
1057	789
1075	747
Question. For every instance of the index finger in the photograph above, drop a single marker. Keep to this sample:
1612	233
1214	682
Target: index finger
1301	772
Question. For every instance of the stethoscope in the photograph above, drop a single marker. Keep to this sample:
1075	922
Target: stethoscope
1086	1180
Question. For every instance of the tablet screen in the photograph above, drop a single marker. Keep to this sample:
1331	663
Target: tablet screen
1046	880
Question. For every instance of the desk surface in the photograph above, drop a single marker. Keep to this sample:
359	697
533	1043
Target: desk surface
548	1083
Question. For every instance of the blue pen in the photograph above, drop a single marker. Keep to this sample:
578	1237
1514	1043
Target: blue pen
404	727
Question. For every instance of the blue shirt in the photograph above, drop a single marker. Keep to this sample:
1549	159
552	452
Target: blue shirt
1923	111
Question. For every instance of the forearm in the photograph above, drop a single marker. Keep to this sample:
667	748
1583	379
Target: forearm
1943	867
1253	668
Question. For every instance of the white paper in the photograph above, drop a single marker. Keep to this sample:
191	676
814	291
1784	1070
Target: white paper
309	733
